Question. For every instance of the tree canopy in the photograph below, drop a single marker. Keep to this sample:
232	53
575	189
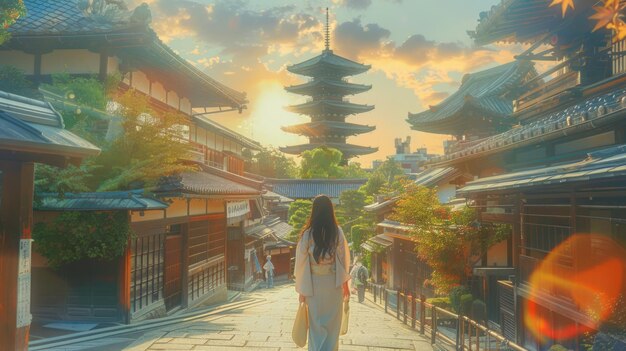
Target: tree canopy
450	242
272	163
385	179
10	11
298	215
327	163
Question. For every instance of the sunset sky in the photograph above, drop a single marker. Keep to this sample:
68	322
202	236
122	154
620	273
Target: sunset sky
418	50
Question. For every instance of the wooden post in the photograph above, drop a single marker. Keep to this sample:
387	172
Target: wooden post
477	338
386	294
374	291
433	327
398	305
406	297
459	333
413	310
422	313
16	216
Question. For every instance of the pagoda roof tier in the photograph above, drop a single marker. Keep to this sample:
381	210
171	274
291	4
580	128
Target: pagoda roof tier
328	64
524	21
348	150
328	86
481	95
320	128
329	107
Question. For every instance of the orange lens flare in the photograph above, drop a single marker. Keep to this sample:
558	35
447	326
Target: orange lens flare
586	269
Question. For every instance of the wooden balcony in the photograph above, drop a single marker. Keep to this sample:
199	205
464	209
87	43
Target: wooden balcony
223	160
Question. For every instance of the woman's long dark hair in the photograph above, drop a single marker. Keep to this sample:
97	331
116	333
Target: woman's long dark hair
323	226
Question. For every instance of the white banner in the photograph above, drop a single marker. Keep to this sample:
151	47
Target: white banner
23	284
237	208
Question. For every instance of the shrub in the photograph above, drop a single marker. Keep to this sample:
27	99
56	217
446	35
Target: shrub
455	297
441	302
465	305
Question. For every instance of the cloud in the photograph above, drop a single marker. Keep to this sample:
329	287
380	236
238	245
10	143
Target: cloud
428	67
354	4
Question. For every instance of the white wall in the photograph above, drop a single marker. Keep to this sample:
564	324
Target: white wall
18	59
70	61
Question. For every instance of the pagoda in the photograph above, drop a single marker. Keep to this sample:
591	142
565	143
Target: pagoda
327	107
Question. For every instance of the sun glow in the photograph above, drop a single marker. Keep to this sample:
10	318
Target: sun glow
268	114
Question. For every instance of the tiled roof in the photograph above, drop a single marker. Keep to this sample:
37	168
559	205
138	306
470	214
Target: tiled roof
208	181
272	196
65	18
605	164
105	201
34	126
329	107
346	149
310	188
214	126
524	21
328	61
319	128
433	176
60	17
280	228
588	113
329	86
381	205
483	90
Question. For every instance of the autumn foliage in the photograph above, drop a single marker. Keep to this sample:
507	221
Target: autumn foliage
450	242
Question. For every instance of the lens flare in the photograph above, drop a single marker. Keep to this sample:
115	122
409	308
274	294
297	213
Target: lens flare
586	269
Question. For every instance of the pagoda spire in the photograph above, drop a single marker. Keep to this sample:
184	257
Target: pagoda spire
327	32
327	106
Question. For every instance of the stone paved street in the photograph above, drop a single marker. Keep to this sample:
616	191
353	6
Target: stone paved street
267	326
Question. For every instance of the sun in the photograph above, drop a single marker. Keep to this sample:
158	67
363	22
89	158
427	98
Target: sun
268	114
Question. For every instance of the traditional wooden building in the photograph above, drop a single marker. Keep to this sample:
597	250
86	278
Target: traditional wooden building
190	247
328	108
30	132
559	172
395	262
307	189
480	107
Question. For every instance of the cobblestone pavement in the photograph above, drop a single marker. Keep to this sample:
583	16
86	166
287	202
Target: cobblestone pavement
267	326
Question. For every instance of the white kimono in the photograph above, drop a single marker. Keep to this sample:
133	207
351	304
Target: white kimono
304	282
321	282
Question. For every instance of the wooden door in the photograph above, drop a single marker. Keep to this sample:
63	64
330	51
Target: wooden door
173	272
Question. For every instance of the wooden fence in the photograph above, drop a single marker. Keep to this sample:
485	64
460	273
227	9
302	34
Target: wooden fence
446	329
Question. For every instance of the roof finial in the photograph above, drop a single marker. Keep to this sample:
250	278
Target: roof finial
327	38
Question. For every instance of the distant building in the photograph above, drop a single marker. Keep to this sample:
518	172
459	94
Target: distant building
479	108
307	189
411	162
328	108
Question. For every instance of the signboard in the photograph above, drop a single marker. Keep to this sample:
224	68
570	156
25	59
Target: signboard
23	284
237	209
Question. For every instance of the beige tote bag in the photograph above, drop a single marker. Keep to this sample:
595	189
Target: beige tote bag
345	318
301	325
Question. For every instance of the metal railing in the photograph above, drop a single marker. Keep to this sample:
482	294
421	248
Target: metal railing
446	329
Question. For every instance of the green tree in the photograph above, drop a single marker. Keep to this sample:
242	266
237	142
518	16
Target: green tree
272	163
386	179
350	209
299	212
14	81
150	147
10	11
321	163
451	242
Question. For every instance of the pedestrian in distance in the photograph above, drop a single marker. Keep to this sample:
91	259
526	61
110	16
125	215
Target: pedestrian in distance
361	280
269	272
322	262
353	278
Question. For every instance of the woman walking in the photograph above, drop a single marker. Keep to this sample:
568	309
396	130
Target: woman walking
322	261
